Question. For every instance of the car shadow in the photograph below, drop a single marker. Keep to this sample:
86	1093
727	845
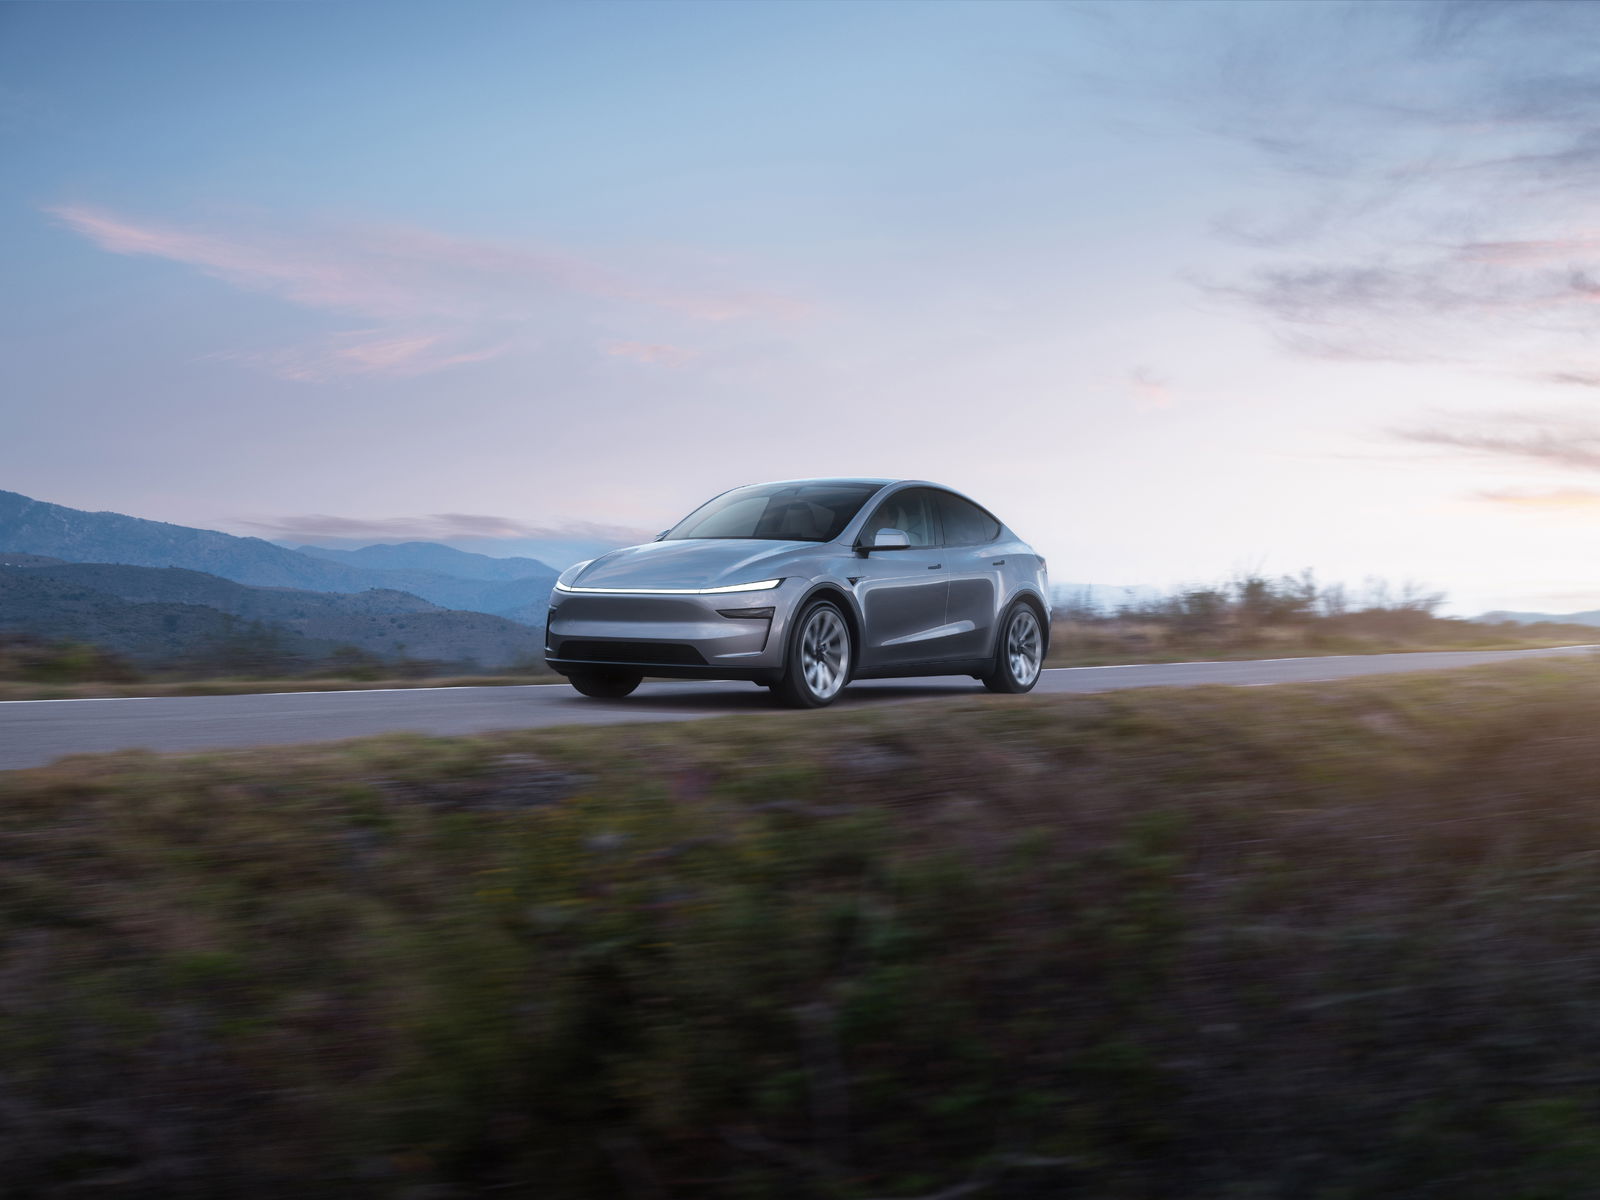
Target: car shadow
759	699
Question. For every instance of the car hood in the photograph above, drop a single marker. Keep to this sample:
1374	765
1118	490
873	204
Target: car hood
693	563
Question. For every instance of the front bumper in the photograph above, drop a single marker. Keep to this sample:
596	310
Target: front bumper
681	636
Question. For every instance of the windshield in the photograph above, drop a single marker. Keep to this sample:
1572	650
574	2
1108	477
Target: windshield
786	512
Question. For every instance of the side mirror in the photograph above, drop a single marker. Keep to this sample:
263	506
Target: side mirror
661	535
887	539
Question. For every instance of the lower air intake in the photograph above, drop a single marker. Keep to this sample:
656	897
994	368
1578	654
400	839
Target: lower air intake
665	654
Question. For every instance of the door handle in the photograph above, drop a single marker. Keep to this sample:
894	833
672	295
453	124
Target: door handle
999	562
934	566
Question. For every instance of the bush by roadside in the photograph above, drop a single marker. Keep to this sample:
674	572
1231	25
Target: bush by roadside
37	669
1255	616
238	687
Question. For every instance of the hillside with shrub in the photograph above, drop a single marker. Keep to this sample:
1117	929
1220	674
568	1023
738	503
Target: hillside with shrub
1256	616
167	619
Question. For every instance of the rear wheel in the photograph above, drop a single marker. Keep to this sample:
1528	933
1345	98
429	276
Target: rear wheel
819	659
1019	655
603	684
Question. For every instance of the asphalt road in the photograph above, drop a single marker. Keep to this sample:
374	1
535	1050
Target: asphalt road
33	732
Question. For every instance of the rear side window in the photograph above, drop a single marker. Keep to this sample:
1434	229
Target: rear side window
965	524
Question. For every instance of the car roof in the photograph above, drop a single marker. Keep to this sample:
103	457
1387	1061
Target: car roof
865	481
825	479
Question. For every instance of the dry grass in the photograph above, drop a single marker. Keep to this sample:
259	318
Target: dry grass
1327	942
1104	643
1073	644
13	690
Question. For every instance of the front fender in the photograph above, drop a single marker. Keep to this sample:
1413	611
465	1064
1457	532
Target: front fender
837	588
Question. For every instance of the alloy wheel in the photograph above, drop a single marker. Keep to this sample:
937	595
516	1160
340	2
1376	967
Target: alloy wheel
824	653
1024	646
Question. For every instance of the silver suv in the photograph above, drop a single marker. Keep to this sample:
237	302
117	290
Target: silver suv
805	585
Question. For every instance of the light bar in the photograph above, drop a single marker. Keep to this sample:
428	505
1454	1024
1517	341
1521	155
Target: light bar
766	585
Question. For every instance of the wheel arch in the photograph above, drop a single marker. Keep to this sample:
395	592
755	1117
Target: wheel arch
846	603
1032	598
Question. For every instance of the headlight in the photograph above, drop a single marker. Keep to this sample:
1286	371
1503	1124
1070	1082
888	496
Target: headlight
765	585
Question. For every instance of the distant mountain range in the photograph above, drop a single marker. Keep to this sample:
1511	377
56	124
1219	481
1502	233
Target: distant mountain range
155	591
1100	597
557	550
431	556
163	615
1532	618
449	578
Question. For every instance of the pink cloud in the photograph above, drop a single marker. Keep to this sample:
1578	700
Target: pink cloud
1539	251
301	271
443	300
386	353
508	260
1572	499
655	354
1149	391
364	352
1561	442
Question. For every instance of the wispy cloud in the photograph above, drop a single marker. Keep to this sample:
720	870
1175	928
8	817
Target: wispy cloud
1567	500
441	300
1565	442
367	352
1506	312
435	527
656	354
1544	252
1435	167
1547	449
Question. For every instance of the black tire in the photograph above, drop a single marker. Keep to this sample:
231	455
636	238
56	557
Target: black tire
1010	674
796	689
605	684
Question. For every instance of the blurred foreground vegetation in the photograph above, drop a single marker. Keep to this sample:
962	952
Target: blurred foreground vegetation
1328	942
1256	616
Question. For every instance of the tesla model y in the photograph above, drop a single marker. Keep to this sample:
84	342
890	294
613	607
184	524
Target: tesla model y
805	585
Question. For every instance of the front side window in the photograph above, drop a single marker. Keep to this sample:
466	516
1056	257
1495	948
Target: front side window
909	511
788	512
965	524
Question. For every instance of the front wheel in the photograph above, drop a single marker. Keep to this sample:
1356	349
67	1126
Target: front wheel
1019	655
605	685
819	660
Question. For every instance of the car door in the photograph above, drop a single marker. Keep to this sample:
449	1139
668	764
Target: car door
902	591
974	568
